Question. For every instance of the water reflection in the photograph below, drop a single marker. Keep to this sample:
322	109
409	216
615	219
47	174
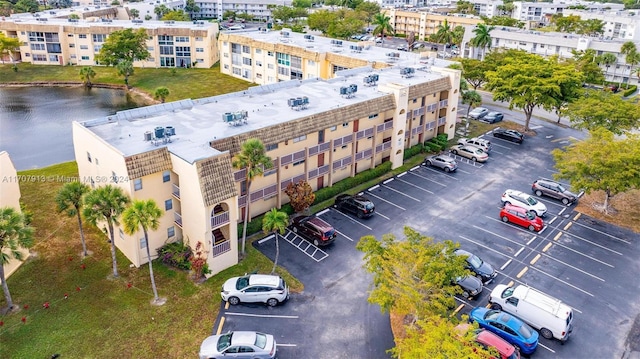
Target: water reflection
35	123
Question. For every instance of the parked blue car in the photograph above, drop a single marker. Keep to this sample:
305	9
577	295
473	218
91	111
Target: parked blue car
508	327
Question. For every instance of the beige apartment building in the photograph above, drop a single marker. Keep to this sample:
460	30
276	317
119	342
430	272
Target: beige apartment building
10	197
318	130
60	41
423	23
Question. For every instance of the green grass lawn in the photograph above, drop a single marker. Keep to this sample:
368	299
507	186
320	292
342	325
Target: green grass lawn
182	83
103	317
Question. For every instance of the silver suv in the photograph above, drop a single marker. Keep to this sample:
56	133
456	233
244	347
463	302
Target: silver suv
255	288
551	188
485	145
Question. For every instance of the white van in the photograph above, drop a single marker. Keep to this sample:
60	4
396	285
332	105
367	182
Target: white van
549	315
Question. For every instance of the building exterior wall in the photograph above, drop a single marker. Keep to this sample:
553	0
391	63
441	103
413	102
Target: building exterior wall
60	42
423	24
617	24
259	9
10	197
541	11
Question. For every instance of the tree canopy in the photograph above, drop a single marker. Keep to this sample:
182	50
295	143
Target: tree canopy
601	163
15	236
124	45
176	15
8	45
605	109
300	194
474	71
528	81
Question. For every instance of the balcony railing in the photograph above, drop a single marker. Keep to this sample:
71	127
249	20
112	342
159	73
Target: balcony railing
177	218
176	191
219	219
221	248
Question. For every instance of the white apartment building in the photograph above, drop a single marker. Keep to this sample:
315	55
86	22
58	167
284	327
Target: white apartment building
321	131
10	197
488	8
541	12
617	24
259	9
56	41
550	43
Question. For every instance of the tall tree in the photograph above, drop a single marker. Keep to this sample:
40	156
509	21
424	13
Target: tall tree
160	11
465	7
124	45
301	195
8	45
471	98
253	158
528	81
482	38
26	6
192	8
321	20
15	234
412	277
176	15
275	222
444	34
106	204
382	24
70	200
632	57
145	215
87	74
607	59
601	163
571	88
125	68
134	13
603	109
474	71
370	8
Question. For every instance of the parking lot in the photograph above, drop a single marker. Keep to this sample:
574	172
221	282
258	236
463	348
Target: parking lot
588	264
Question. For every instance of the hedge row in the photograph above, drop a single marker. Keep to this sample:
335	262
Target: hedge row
630	90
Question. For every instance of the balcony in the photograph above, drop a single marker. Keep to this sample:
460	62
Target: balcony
177	218
175	191
221	248
219	219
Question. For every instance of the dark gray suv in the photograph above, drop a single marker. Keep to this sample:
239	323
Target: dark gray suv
551	188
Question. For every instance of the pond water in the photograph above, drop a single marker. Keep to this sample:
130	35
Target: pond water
35	122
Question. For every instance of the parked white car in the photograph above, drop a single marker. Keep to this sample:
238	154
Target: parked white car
255	288
478	113
485	145
523	200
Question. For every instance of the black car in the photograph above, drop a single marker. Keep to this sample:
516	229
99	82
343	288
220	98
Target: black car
483	270
314	229
359	205
509	135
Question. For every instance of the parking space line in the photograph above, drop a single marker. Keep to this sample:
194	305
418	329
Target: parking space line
286	345
531	240
540	345
497	235
577	216
519	251
573	267
594	243
353	220
220	325
416	186
406	195
384	200
557	236
467	161
322	212
428	179
402	174
263	315
457	310
387	181
374	187
382	215
522	272
568	226
505	265
344	235
546	248
535	259
292	238
562	281
514	226
265	239
438	172
606	234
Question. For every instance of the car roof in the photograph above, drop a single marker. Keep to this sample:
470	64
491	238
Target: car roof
494	113
361	198
514	208
320	223
516	193
462	252
487	338
239	338
264	279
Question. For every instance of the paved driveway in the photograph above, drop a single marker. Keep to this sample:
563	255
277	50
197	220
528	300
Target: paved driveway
589	265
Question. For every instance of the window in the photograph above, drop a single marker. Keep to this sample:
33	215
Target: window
345	124
236	48
35	36
283	71
137	184
373	116
167	61
333	128
85	57
171	231
182	39
270	66
88	157
259	63
298	162
299	138
272	147
166	176
84	47
99	37
36	47
320	136
258	51
199	49
53	58
168	205
296	62
72	46
269	53
165	40
246	49
166	50
82	36
246	61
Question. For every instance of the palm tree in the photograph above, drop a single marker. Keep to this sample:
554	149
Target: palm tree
86	74
482	40
69	200
254	159
608	59
632	57
472	98
161	93
135	13
444	35
125	68
143	214
15	234
275	222
382	24
106	204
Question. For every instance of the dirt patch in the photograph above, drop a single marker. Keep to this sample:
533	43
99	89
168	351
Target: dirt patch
624	208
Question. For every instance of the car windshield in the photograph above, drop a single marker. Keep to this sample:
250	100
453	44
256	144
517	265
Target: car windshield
474	261
242	282
561	188
261	340
479	151
532	201
531	216
368	205
492	315
328	234
525	331
224	342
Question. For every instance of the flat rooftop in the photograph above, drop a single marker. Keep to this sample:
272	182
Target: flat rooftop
197	122
369	52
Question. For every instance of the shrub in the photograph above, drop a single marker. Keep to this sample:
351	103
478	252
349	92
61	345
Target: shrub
630	91
410	152
176	254
432	147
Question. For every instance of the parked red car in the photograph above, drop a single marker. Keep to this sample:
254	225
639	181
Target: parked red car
522	217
